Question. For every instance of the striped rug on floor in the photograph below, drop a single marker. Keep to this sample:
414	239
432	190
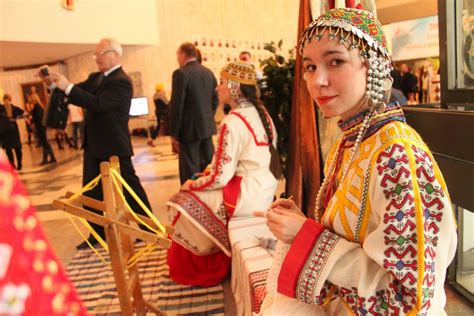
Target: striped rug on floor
95	283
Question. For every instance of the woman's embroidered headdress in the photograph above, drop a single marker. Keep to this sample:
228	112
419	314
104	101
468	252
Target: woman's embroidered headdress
243	73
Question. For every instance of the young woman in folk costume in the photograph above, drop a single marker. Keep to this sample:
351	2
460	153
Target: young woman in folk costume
384	231
237	182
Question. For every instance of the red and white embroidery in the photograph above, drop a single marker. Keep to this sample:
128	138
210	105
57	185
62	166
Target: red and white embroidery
309	276
431	194
221	158
257	282
201	213
252	131
401	239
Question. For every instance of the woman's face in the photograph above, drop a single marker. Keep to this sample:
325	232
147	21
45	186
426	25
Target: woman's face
336	77
223	91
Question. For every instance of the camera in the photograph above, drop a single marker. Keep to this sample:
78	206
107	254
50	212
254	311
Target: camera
44	71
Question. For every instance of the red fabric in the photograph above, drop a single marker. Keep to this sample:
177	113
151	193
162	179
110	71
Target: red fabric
231	194
350	3
32	279
297	256
190	269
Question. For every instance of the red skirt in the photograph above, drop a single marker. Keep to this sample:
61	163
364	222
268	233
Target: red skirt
190	269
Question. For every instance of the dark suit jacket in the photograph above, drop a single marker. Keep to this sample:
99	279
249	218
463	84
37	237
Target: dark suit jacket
193	103
107	112
11	137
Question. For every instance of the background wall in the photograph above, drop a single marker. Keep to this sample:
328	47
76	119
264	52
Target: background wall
185	20
11	81
140	21
46	21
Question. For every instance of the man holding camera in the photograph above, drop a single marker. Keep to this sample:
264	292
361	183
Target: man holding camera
105	96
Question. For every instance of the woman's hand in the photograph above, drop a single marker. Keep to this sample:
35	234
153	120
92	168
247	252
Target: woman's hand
187	185
284	224
288	205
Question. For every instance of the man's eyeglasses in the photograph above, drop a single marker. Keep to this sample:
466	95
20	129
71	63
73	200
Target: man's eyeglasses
98	55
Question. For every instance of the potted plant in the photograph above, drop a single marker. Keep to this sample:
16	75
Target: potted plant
277	92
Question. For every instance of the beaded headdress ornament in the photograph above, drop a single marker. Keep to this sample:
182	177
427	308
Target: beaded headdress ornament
356	28
238	73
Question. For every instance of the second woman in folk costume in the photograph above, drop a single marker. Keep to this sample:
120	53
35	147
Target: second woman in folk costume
384	231
237	182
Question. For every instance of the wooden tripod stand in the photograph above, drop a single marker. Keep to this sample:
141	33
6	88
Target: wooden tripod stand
116	221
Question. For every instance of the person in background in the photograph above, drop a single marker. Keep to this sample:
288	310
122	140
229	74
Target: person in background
239	179
30	131
398	96
409	84
192	107
76	117
11	140
245	57
106	96
161	112
397	78
37	117
384	231
59	136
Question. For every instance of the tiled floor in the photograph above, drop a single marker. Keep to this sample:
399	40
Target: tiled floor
158	170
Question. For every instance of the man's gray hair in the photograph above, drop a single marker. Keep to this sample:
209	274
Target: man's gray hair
114	45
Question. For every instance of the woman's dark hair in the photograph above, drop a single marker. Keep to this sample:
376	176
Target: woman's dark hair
250	93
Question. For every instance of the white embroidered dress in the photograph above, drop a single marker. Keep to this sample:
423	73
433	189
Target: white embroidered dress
386	238
238	183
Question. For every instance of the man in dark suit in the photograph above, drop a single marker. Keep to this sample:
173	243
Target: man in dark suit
193	104
106	97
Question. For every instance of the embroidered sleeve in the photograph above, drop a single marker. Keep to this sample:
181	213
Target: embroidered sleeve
224	162
400	265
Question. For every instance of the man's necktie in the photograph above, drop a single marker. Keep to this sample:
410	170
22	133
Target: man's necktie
98	81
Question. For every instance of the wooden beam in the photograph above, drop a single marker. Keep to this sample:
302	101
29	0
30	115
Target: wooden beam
132	280
87	201
112	214
100	206
113	240
154	309
148	221
104	221
80	212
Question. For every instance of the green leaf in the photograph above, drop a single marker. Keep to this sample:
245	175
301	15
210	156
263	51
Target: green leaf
277	93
